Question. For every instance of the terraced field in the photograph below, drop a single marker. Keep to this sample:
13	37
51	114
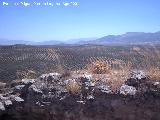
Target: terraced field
44	59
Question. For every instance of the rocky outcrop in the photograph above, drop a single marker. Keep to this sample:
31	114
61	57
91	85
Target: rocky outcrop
48	97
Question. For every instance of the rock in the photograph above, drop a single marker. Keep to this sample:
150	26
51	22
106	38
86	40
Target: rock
3	98
2	106
19	87
53	99
89	84
132	82
15	98
90	97
27	81
104	88
136	78
46	103
156	83
87	76
62	98
35	89
2	85
53	76
50	76
127	90
138	74
43	76
81	101
18	99
86	81
16	82
8	102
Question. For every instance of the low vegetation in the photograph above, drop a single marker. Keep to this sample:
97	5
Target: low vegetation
153	73
73	87
21	61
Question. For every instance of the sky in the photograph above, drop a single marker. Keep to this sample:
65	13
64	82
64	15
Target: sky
90	18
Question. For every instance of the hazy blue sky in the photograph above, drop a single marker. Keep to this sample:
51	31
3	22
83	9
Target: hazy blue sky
92	18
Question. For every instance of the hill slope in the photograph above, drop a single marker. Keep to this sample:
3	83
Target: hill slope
128	38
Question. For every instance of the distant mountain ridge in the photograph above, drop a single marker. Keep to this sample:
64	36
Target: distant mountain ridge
127	38
49	42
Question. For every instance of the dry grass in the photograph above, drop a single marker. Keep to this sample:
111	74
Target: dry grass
73	87
30	74
102	71
153	73
117	78
114	79
99	67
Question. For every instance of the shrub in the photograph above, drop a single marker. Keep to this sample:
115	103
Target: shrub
114	78
73	87
117	78
99	67
30	74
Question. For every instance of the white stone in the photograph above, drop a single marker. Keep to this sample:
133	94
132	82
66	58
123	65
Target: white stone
18	99
43	76
54	74
89	97
127	90
156	83
19	87
27	81
82	102
87	76
3	98
104	88
2	106
138	74
8	102
89	84
35	89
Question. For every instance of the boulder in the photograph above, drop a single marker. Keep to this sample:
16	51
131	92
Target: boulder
18	99
35	89
19	87
137	74
50	76
136	78
3	98
104	88
8	102
15	98
127	90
